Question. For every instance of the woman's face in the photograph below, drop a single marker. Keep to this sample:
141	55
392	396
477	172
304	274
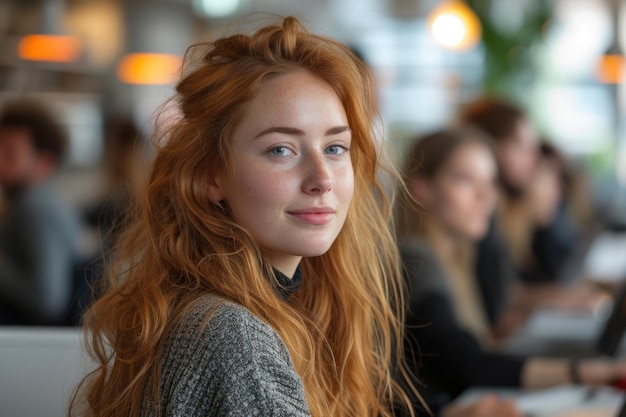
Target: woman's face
19	160
290	179
517	155
545	193
463	193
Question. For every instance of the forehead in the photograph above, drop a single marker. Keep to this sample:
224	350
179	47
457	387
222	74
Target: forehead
297	99
285	89
471	153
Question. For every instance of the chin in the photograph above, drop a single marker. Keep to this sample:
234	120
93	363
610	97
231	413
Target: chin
315	245
311	253
476	233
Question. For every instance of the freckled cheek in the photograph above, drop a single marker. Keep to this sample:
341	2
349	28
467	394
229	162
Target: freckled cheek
263	187
344	184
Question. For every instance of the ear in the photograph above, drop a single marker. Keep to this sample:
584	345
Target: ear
421	191
214	191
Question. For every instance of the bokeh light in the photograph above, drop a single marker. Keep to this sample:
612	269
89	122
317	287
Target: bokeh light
455	26
149	68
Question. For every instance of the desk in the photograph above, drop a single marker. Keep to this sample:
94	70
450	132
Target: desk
39	369
566	401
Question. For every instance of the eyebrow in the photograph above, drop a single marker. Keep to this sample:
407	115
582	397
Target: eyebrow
298	132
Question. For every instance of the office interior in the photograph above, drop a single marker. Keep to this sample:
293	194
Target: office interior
99	63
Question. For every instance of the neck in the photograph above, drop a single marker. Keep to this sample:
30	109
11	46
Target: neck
287	265
444	242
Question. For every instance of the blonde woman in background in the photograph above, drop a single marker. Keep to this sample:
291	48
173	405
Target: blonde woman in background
452	176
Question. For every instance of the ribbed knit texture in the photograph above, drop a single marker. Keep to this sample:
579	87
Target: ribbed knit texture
235	365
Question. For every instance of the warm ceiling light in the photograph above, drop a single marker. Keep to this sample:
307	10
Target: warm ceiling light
150	68
49	48
611	69
455	26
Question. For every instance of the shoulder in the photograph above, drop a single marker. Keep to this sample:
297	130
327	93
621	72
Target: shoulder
418	259
216	322
227	334
415	251
224	360
39	195
422	270
43	206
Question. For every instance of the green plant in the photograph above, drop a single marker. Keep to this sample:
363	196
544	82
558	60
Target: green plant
508	61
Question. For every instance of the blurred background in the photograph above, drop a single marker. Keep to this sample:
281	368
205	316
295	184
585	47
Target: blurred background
104	67
102	60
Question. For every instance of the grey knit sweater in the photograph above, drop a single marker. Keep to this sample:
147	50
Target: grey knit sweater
235	365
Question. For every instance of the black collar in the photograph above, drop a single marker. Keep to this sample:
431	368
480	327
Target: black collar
287	286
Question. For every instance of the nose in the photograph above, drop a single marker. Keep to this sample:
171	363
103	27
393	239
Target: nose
318	178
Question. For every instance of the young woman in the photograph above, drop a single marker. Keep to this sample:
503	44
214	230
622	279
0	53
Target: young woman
259	275
452	176
521	160
541	235
527	248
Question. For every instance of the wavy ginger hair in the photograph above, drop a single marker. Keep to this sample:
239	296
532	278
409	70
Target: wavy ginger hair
340	327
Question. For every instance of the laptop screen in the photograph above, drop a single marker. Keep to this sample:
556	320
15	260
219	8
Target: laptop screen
622	411
612	333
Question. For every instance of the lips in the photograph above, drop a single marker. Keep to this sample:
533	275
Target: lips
313	215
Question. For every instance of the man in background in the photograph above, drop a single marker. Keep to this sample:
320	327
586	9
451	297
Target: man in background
38	234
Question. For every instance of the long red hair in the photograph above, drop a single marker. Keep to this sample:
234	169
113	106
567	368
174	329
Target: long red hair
343	326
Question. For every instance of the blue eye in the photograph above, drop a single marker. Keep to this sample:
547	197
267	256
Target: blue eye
279	151
336	150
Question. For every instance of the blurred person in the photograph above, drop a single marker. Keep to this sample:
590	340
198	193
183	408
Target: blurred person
579	198
123	166
546	244
452	176
515	138
122	174
503	253
38	232
542	235
515	142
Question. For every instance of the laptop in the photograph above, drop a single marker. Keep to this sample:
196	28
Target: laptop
604	260
573	401
612	334
556	334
